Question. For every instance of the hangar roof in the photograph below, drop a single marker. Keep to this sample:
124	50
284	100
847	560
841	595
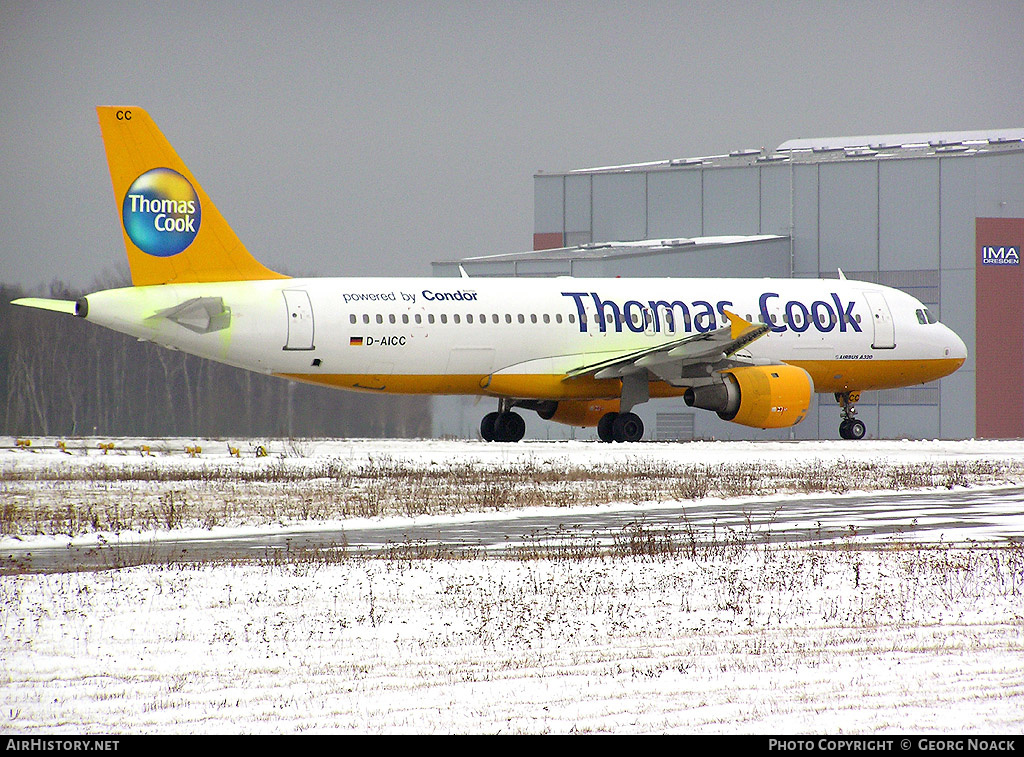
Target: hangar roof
816	150
607	250
625	249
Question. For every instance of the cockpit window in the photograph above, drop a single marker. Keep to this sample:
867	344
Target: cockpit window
925	316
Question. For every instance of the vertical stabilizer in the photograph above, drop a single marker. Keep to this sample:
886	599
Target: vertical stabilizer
173	233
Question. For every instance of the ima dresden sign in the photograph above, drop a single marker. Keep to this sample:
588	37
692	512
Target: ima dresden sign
1002	255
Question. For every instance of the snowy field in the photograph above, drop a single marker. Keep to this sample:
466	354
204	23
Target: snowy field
720	635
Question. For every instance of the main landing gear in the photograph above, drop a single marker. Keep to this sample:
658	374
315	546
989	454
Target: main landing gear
850	427
626	426
504	425
620	427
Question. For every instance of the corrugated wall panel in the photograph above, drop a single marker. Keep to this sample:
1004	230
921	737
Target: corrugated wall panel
732	202
848	216
577	206
775	194
548	204
805	220
908	214
673	204
620	207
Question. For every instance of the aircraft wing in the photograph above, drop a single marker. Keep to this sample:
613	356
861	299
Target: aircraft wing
677	360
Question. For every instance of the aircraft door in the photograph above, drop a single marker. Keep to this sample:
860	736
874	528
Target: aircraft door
299	312
881	320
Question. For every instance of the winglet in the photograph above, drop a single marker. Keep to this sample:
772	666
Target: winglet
743	332
739	324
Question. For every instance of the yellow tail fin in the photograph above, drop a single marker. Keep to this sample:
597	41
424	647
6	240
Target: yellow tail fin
172	231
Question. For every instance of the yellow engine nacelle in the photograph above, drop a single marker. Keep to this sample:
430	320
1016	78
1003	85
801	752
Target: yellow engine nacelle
582	413
759	396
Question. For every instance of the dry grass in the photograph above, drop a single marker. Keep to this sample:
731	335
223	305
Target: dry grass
116	495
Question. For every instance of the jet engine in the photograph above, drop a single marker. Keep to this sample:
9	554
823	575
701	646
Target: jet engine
760	396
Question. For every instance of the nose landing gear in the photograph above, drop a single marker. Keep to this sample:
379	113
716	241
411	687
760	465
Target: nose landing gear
850	427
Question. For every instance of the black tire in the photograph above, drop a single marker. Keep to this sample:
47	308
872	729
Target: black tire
516	427
487	427
852	428
628	428
509	427
604	427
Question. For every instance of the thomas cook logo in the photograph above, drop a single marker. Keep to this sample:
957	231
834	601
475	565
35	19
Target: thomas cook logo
161	212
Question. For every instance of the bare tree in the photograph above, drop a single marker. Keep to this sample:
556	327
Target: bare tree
63	376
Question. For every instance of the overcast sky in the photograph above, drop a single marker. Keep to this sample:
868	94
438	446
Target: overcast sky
361	139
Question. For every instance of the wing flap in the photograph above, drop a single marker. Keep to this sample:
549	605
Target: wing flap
709	348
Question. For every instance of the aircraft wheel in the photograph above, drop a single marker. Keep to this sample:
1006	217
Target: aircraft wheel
487	426
604	427
628	428
509	427
852	429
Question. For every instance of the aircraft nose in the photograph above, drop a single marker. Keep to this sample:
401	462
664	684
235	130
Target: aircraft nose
954	346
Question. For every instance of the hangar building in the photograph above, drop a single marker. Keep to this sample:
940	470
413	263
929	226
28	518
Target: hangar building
938	215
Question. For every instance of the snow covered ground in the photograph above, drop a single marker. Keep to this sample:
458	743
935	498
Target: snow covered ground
728	636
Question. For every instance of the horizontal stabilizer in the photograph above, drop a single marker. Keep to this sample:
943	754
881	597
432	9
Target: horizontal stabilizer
58	306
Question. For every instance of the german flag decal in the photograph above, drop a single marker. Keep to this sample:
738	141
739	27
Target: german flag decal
355	341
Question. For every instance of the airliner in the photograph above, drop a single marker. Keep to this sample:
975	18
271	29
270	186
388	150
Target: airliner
583	352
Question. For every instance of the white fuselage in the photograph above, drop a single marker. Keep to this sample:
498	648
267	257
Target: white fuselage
520	337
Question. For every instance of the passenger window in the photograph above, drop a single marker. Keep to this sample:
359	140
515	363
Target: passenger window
391	318
352	318
469	318
533	317
430	318
547	318
455	318
419	318
444	318
366	318
405	318
380	318
521	318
